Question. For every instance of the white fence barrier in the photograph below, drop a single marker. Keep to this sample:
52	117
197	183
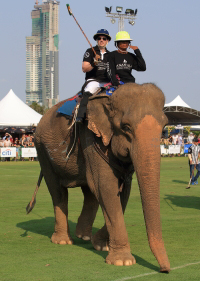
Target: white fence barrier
29	152
8	152
11	152
172	149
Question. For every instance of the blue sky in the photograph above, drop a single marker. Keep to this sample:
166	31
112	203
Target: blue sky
167	33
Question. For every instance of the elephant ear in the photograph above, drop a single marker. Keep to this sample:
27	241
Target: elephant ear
98	110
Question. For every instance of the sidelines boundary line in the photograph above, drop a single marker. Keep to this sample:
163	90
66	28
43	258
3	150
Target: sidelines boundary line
153	273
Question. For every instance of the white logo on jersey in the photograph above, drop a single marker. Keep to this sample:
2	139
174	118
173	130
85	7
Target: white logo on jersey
124	61
86	55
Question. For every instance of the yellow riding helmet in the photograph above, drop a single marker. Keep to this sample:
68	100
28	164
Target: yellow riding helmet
122	36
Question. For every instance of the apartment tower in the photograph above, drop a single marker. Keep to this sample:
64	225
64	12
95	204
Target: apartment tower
42	55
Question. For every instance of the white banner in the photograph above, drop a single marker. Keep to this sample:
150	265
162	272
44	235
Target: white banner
174	149
29	152
163	150
8	152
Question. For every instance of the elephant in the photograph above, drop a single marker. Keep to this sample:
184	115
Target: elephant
120	135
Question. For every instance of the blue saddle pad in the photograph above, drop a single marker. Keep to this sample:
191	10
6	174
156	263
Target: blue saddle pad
68	107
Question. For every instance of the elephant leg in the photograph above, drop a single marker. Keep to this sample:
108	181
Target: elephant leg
61	233
59	196
88	214
101	238
107	192
119	247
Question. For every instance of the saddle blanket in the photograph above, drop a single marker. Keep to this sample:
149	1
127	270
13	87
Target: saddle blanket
68	107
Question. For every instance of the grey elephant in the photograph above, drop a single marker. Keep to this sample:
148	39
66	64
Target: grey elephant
121	135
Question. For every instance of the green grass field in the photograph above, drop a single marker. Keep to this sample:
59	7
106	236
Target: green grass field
27	254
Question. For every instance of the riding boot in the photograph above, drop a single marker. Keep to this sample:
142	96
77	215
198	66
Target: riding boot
83	107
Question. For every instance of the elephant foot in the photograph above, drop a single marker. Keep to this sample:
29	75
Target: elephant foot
100	240
61	239
83	233
120	259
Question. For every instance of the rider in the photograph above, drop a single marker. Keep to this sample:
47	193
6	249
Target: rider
121	62
95	68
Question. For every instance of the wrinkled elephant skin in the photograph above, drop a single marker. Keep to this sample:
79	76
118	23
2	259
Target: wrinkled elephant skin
127	127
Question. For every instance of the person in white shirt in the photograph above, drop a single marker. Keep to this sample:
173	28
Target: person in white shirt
190	138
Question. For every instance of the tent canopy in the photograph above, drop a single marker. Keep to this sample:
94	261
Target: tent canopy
14	112
179	112
177	102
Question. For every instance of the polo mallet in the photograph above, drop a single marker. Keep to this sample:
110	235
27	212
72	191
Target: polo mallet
71	14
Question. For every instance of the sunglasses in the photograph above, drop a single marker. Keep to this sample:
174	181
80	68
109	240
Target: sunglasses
103	38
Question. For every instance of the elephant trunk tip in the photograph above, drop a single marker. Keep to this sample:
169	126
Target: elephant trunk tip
30	205
165	270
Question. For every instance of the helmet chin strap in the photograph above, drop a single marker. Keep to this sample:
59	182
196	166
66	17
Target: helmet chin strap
120	50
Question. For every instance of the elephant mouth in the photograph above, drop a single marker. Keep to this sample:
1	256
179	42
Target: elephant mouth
125	156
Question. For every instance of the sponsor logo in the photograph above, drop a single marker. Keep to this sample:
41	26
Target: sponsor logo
125	61
86	55
123	66
7	152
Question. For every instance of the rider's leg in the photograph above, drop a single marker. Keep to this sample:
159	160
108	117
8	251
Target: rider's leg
89	90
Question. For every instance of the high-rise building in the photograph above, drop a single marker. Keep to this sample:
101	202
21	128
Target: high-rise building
42	54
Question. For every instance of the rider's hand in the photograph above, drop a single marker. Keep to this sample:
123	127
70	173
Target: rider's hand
96	59
133	47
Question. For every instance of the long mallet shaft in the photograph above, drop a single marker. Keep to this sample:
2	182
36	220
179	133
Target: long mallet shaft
71	14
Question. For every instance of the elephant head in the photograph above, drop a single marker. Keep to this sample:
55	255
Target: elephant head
131	121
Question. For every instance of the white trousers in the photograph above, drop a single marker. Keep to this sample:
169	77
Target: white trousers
93	86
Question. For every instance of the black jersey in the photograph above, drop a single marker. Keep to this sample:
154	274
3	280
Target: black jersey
99	72
122	65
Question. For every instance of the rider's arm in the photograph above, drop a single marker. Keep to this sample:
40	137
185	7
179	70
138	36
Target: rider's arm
86	66
140	64
88	60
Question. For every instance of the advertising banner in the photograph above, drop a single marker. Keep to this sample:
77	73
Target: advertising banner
163	150
8	152
29	152
186	146
174	149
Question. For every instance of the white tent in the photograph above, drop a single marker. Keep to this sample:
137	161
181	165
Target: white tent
14	112
179	112
177	102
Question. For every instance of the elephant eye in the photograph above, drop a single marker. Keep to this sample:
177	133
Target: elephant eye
126	128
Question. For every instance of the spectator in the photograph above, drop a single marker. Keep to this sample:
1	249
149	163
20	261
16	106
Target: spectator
28	137
16	144
7	143
22	144
170	140
179	139
31	144
23	139
193	155
7	135
174	139
1	142
190	138
162	142
166	143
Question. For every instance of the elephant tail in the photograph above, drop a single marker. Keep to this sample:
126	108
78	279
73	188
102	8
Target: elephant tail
31	204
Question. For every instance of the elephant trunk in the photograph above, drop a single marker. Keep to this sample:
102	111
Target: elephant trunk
146	158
